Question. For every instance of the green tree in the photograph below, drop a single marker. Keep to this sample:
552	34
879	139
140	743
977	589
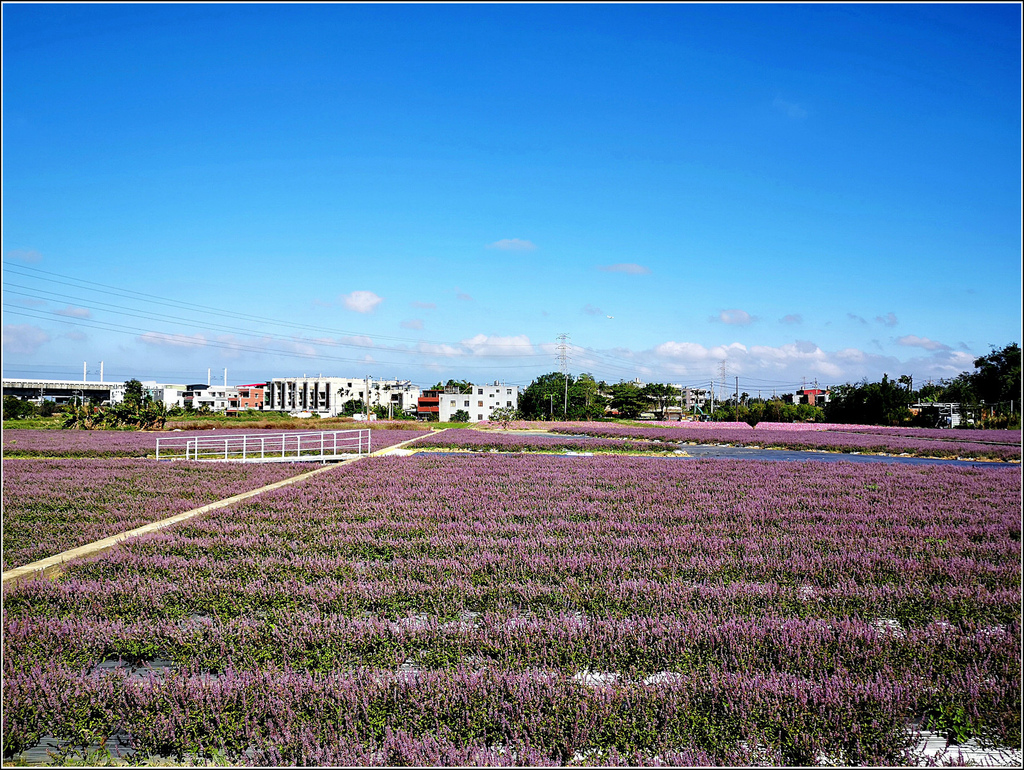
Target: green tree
460	415
628	400
659	395
870	403
17	408
997	376
544	398
351	407
503	415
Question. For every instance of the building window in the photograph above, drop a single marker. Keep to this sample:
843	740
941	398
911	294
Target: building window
509	391
479	417
479	403
467	402
508	403
452	403
479	391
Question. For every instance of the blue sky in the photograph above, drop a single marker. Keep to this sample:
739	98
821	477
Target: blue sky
807	193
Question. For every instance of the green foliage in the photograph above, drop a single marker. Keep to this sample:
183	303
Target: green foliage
997	375
460	415
870	403
660	395
18	409
461	386
628	400
138	411
503	415
558	396
351	407
772	410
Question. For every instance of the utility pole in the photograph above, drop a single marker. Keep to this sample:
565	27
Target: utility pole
712	395
367	398
737	395
563	361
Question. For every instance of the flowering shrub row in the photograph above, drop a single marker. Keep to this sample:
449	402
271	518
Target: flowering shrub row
514	609
51	506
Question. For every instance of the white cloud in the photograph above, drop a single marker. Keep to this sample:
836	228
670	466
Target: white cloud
857	318
159	339
912	340
493	345
415	324
788	363
512	244
359	340
75	312
361	301
889	319
23	338
443	350
630	268
76	336
734	317
790	109
792	318
25	255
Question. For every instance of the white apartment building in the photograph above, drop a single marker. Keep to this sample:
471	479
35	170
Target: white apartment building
480	403
167	394
327	396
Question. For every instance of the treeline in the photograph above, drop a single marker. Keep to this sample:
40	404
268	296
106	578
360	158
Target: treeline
987	397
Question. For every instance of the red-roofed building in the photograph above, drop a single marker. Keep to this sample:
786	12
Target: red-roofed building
251	396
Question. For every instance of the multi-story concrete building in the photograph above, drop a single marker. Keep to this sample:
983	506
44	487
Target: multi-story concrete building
216	398
327	396
251	396
480	403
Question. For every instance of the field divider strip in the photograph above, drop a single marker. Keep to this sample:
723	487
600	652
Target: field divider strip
51	565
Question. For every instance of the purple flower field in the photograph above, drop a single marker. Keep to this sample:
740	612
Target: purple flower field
108	443
1009	437
51	506
767	436
523	609
465	438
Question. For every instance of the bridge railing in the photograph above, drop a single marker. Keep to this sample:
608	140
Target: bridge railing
268	447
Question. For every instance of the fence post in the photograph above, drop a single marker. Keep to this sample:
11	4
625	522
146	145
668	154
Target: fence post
263	446
158	449
245	442
321	443
226	448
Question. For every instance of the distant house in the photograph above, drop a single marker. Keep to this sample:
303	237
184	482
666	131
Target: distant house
251	396
479	404
427	404
812	396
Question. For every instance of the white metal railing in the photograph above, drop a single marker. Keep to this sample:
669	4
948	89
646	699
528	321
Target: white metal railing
266	447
